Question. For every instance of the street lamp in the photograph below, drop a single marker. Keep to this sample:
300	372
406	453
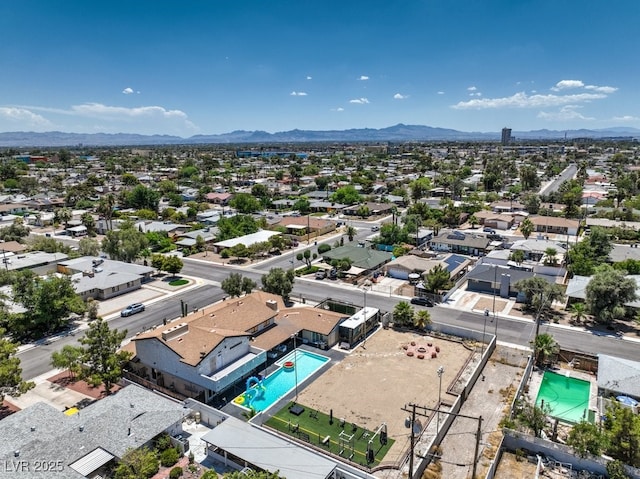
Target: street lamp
365	290
295	363
495	280
439	372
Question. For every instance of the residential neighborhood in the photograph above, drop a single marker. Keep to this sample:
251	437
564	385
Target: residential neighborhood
355	303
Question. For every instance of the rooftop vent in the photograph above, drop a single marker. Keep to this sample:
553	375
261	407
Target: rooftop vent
273	304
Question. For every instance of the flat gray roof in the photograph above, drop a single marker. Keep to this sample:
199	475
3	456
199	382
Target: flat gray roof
268	451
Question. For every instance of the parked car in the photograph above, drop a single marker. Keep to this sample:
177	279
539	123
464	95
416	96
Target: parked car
132	309
375	228
486	229
421	301
333	274
322	274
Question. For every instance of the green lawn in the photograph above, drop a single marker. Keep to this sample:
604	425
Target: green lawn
314	426
178	282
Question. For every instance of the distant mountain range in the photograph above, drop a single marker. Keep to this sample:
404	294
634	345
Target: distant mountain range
399	133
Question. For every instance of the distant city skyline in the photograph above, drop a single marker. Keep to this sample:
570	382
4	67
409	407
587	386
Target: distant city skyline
211	67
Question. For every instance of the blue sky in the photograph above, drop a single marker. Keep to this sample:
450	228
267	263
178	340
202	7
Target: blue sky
205	67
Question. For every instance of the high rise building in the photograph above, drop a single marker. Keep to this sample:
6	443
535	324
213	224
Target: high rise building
506	136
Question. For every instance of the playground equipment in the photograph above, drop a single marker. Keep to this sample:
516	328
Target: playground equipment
254	390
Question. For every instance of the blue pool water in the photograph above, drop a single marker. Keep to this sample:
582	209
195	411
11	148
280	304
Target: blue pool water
282	381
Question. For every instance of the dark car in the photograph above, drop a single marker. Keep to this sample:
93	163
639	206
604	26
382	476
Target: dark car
132	309
333	274
421	301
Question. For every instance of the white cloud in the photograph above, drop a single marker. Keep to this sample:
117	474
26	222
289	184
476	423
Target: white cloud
359	101
567	84
472	88
565	113
98	110
400	96
363	78
298	93
440	93
601	89
337	109
309	77
522	100
625	118
23	116
127	91
475	94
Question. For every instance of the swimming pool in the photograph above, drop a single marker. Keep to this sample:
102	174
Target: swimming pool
282	381
568	397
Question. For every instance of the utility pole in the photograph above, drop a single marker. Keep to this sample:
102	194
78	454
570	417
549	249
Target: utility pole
424	409
477	449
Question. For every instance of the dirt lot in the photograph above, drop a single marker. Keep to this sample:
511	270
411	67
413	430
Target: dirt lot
371	386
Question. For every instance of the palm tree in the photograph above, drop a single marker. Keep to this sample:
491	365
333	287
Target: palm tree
551	254
578	311
105	208
544	348
351	232
422	319
526	228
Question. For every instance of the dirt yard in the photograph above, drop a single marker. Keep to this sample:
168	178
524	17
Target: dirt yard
373	383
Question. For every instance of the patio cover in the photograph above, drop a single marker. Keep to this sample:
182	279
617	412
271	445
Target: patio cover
257	447
92	461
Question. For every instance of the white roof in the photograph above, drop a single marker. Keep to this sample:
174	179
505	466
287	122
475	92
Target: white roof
358	318
256	446
248	240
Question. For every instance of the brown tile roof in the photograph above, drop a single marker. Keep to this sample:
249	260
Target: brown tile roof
207	328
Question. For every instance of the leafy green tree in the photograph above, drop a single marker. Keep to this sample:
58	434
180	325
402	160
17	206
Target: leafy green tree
323	248
69	357
239	251
129	179
141	197
124	244
11	382
539	293
157	262
159	241
622	428
48	303
278	281
526	228
235	284
88	247
303	206
535	417
393	234
517	256
586	438
172	265
16	231
607	293
630	265
403	314
48	245
167	186
238	225
245	203
305	256
437	279
252	475
101	359
89	222
420	187
544	348
616	470
363	211
347	195
139	463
